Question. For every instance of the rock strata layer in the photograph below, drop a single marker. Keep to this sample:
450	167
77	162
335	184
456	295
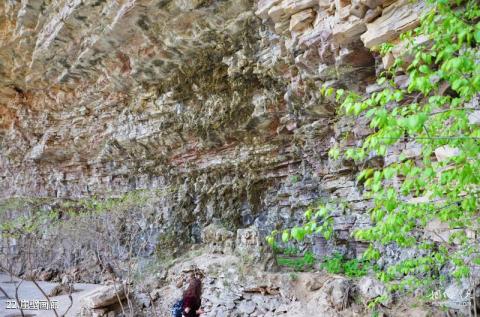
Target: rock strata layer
99	97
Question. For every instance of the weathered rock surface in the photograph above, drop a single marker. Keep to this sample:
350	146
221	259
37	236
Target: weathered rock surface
232	288
91	90
213	110
216	104
399	17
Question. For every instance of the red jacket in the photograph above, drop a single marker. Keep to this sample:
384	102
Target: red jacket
194	305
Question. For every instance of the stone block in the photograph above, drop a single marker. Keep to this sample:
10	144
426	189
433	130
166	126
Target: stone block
249	242
398	18
104	296
285	9
302	20
348	32
371	288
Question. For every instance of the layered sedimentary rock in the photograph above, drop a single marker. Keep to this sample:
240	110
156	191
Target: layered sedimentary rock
215	104
218	102
210	113
100	96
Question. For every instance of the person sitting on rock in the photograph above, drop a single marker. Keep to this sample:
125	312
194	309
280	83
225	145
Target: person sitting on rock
192	299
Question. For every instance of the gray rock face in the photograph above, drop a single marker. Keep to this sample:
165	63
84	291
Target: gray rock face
458	296
247	307
370	288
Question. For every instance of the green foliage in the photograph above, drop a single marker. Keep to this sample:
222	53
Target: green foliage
36	214
356	268
290	251
385	48
17	218
333	264
317	222
295	178
337	264
298	264
432	112
377	301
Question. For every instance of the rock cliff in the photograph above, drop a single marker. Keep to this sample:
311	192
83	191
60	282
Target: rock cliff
210	112
101	97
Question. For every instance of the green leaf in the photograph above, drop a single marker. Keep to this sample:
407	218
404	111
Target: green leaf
298	233
477	35
270	240
388	172
424	69
340	93
334	153
415	123
321	212
308	214
329	92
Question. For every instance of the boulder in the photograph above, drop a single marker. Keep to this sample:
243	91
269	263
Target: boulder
324	4
388	60
438	231
61	289
338	291
104	296
249	244
371	288
372	4
458	295
315	283
339	4
372	14
263	6
343	13
219	239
